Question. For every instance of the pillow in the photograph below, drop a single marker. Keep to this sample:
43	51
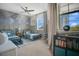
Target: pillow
28	32
3	38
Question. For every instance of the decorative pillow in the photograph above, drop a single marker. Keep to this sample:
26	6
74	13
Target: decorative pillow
10	33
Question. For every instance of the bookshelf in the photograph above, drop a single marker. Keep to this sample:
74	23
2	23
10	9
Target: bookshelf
65	45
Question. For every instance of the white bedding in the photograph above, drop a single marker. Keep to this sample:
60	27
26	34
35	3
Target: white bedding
32	35
7	45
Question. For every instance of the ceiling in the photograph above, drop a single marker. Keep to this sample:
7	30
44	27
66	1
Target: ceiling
16	7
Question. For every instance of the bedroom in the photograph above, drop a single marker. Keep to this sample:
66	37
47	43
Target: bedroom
23	23
47	30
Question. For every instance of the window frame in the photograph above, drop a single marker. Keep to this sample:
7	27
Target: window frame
60	15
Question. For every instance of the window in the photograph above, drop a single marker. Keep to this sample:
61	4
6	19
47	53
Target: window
40	22
71	19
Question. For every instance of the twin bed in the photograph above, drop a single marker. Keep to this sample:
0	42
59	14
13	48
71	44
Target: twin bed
32	36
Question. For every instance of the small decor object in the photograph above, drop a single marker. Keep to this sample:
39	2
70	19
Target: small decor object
66	28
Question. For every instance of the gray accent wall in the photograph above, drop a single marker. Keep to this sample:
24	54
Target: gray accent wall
10	20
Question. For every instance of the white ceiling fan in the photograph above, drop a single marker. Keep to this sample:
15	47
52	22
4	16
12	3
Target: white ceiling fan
26	10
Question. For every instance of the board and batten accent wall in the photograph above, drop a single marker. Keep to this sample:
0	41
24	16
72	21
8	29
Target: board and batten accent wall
10	20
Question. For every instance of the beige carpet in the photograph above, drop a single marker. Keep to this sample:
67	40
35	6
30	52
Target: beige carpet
35	48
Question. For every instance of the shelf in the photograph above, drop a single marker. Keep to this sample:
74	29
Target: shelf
68	49
68	37
69	44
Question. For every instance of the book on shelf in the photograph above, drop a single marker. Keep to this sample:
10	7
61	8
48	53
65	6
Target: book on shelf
57	43
77	45
74	44
60	43
69	44
63	43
